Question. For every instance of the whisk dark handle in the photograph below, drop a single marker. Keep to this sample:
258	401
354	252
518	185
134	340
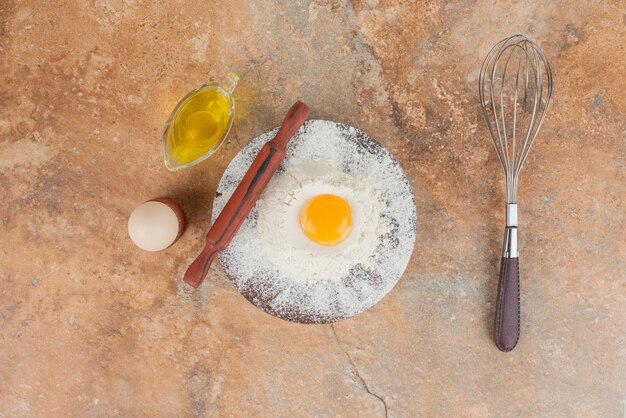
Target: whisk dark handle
507	324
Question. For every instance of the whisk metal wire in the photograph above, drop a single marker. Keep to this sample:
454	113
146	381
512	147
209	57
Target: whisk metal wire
523	95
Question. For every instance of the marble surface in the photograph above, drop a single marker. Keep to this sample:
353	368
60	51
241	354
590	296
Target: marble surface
92	326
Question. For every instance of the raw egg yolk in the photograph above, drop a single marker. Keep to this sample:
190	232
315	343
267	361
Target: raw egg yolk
326	220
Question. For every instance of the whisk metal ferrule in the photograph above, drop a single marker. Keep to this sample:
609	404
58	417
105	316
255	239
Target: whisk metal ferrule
510	243
509	249
511	214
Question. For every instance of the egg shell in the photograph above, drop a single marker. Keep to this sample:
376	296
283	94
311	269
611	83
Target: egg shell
156	224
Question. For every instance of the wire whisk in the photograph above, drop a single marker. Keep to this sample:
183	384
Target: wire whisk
515	86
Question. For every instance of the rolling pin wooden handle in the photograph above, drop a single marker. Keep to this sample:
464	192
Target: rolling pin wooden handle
246	194
197	271
294	118
506	329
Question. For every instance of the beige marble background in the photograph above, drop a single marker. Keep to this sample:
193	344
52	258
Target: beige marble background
92	326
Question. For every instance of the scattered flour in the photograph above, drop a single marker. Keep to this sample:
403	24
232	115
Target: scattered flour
281	283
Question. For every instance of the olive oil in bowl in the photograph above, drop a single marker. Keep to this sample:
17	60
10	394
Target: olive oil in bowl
199	124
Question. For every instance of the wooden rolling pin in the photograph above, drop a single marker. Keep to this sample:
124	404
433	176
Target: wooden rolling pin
245	196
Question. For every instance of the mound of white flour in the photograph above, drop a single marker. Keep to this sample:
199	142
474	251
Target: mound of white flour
285	244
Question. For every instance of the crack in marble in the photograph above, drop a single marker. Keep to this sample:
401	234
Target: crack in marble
255	63
356	372
166	63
